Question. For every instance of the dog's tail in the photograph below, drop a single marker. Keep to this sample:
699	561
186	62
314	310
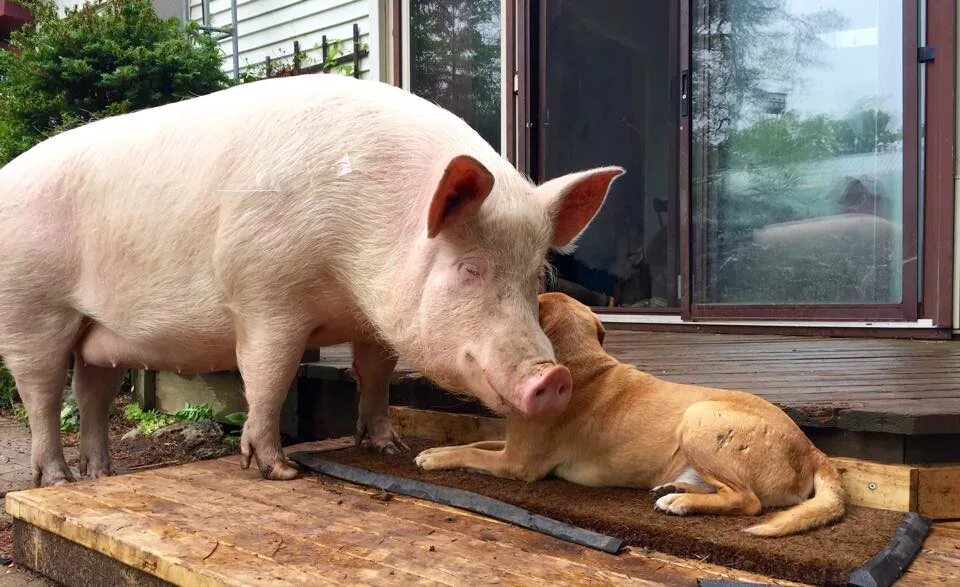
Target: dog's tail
824	507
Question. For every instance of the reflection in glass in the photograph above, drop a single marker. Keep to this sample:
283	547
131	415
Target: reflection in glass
610	97
797	161
455	59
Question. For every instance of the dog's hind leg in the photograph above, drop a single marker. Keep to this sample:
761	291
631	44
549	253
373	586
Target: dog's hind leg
689	481
726	500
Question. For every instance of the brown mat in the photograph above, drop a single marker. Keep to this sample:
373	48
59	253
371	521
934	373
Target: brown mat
824	556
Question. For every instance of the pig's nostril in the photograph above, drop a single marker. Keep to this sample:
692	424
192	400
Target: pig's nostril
540	392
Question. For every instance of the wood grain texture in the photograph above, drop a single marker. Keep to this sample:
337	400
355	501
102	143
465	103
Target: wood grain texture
893	386
210	523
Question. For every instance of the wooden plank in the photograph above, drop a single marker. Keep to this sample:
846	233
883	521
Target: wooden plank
141	543
68	563
939	492
565	558
444	427
876	485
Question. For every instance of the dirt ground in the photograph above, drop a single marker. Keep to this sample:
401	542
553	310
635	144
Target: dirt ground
129	455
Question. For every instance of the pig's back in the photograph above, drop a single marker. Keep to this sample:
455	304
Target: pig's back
130	213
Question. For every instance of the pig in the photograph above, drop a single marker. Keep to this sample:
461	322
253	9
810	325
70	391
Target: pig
236	229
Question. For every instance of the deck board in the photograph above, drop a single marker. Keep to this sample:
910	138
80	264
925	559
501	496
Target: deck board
850	383
210	523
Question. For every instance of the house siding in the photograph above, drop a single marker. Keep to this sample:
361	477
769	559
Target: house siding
268	28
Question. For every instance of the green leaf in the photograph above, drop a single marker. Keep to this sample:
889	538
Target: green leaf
236	418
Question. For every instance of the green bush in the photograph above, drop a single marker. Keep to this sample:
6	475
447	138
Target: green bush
8	388
102	59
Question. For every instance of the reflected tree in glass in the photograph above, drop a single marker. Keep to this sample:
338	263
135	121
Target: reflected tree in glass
797	159
455	59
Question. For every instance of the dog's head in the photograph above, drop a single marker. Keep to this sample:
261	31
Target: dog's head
571	326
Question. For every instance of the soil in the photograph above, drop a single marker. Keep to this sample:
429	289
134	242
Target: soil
823	556
143	452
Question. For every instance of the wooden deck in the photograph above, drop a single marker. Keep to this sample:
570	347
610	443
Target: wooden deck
903	395
210	523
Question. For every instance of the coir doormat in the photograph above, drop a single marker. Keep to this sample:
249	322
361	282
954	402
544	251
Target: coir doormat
874	545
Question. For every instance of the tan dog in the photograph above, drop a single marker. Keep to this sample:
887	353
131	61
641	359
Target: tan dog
702	450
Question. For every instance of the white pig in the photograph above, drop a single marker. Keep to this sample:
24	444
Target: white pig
235	229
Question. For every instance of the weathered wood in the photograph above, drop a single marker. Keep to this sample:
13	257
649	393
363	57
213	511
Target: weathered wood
877	485
69	563
893	386
453	428
187	526
939	493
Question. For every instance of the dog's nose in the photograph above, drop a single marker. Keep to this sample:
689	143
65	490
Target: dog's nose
548	392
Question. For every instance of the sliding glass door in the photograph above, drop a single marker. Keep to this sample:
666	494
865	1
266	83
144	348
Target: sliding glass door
803	159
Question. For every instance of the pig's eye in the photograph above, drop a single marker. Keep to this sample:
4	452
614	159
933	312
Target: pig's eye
469	273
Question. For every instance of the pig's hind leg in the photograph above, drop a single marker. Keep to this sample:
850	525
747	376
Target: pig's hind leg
95	388
268	355
36	348
372	366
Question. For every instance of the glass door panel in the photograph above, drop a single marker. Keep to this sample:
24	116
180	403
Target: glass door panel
609	94
801	185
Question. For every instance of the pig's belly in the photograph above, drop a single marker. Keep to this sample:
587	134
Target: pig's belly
184	352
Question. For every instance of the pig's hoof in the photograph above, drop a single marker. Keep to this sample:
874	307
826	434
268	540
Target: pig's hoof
95	466
279	471
52	475
381	437
275	469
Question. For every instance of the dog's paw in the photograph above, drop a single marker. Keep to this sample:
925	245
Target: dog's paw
673	503
661	490
428	461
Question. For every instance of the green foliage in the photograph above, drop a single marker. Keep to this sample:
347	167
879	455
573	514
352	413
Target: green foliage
20	413
286	67
236	418
8	388
788	139
99	60
147	421
194	413
69	417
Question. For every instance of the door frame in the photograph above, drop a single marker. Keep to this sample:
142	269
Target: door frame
939	94
933	308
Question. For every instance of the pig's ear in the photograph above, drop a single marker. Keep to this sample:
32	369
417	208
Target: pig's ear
465	184
573	200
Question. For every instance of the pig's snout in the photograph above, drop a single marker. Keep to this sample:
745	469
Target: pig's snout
547	392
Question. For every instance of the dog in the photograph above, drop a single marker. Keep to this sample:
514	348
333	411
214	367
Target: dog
699	450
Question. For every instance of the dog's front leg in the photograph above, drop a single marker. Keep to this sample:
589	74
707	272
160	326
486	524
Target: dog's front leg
491	457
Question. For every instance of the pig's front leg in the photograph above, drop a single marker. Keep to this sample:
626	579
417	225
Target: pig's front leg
95	388
372	366
40	384
268	356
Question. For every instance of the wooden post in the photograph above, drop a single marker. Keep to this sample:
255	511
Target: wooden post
145	388
267	65
356	50
324	48
296	58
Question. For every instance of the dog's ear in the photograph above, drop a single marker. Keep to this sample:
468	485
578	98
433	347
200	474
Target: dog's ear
601	331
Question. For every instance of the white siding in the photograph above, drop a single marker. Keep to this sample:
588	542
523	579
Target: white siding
269	28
